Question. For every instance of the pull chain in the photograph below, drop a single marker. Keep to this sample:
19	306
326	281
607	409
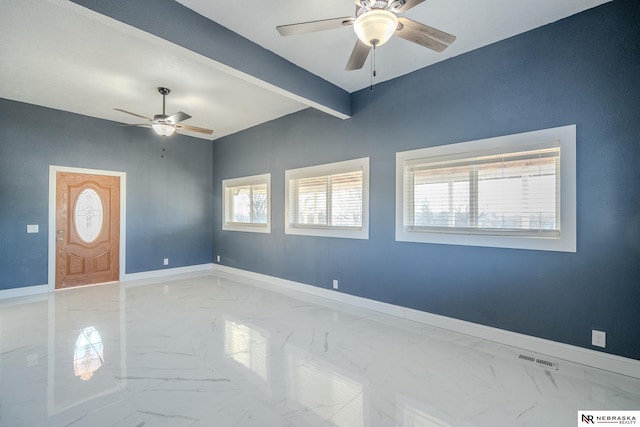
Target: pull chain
373	67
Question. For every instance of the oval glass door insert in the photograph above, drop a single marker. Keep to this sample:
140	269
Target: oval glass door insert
88	213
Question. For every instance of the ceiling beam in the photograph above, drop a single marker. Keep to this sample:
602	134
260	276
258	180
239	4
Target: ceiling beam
180	25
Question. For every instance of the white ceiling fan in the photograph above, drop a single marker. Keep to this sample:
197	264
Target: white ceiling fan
374	24
165	125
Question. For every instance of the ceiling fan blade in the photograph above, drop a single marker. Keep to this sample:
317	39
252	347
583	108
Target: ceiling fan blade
133	114
178	117
408	4
423	35
358	56
313	26
193	129
143	125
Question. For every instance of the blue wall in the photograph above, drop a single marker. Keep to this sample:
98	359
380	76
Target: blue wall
584	70
168	199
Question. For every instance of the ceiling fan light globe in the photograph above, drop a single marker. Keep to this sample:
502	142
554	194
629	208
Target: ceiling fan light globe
375	27
163	129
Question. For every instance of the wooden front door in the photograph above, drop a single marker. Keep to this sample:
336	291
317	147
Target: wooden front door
87	229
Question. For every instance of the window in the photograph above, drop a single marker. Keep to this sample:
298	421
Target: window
246	204
329	200
515	191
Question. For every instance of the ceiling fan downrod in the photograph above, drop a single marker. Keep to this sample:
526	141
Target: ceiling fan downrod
164	92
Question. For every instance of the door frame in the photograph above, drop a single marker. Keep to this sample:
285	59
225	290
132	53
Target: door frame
53	171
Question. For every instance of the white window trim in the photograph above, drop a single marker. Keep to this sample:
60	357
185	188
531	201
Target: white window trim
246	180
327	169
566	242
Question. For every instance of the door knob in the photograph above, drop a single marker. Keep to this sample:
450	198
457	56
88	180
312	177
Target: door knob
60	239
60	231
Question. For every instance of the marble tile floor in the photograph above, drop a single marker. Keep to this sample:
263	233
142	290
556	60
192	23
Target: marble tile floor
210	350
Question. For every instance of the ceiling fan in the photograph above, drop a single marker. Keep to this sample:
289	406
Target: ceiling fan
165	125
375	22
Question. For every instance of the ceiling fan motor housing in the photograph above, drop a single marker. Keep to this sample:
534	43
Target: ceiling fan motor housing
160	118
363	6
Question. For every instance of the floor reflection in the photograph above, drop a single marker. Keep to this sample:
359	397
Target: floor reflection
88	354
247	346
411	413
323	391
94	354
205	351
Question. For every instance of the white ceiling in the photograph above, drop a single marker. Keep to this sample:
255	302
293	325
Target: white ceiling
475	23
57	54
60	55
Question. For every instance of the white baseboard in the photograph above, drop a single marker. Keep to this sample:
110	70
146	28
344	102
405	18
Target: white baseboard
166	272
24	292
154	274
583	356
596	359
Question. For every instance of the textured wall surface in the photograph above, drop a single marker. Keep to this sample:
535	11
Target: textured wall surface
168	199
583	70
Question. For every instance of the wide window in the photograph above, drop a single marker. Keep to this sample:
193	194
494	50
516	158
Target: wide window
516	191
247	204
329	200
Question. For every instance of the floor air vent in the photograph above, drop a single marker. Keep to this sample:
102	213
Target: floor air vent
537	361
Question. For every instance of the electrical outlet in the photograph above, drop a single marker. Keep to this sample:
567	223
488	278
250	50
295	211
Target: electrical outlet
166	261
598	338
335	283
218	258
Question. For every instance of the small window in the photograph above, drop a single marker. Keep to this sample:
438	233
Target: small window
515	191
329	200
247	204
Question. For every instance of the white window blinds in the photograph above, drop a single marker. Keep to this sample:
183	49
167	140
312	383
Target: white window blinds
246	204
328	200
515	192
512	191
